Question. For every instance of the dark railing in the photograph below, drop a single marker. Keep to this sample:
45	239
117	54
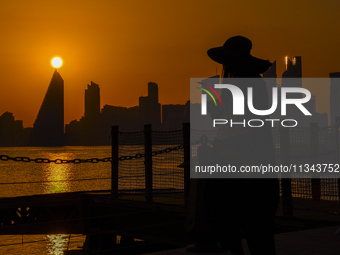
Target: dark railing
150	162
291	145
146	168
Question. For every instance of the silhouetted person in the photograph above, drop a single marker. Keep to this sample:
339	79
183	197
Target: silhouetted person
197	224
232	205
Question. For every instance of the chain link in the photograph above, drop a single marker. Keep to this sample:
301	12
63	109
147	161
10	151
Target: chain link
91	160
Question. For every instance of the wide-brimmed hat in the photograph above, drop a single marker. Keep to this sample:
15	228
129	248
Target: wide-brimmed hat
235	54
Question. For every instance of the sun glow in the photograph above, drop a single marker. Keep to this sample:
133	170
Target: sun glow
56	62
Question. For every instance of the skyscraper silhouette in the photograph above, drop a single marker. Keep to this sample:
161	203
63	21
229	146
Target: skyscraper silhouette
292	78
92	114
92	101
150	108
294	70
48	128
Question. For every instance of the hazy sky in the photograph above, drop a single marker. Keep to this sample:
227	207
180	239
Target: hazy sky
123	45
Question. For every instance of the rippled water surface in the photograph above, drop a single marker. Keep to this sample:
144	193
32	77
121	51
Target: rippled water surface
24	179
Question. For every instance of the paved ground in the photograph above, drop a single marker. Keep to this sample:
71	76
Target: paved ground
321	241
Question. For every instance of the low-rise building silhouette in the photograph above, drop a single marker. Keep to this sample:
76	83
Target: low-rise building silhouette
11	131
172	116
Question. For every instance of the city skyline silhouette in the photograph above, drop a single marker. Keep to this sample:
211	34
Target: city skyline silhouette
93	127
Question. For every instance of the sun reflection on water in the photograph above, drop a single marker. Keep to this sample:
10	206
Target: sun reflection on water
50	178
57	244
57	176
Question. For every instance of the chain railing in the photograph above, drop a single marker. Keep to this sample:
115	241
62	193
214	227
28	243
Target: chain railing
56	161
90	160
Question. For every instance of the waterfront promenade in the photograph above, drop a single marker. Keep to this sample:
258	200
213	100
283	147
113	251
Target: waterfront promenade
149	195
320	241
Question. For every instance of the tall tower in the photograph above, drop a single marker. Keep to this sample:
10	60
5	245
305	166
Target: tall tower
92	101
153	93
292	78
334	96
154	105
92	114
293	70
150	108
48	128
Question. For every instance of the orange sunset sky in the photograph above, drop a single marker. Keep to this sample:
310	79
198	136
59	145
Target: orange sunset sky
123	45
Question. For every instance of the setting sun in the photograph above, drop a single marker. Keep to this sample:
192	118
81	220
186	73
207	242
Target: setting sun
56	62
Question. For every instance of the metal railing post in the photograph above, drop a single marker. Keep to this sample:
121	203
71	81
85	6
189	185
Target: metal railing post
114	161
286	185
337	124
186	145
314	153
148	162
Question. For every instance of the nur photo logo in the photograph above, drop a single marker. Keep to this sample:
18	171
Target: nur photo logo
281	99
204	96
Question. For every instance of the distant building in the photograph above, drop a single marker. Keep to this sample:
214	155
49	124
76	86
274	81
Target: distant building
292	77
150	108
95	127
172	116
92	114
11	131
293	70
334	96
92	101
126	118
48	128
75	133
